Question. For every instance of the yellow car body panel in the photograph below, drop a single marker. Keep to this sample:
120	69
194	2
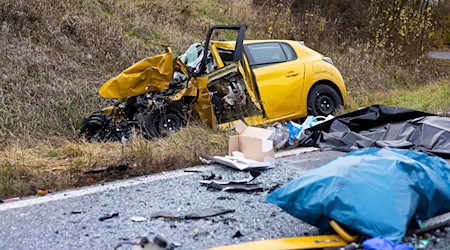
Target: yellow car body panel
280	87
203	105
304	242
134	80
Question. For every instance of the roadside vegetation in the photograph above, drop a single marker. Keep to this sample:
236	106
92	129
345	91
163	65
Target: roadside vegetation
56	54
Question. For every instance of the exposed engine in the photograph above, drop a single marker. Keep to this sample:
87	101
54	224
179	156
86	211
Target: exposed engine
230	99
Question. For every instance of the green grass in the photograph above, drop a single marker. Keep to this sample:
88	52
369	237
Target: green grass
433	98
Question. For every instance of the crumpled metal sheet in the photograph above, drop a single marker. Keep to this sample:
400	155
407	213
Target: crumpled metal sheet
156	71
383	126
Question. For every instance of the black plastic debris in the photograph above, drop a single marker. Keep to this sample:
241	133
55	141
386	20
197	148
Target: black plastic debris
158	243
192	171
274	187
196	214
121	167
235	185
221	198
383	126
108	216
238	234
210	179
211	176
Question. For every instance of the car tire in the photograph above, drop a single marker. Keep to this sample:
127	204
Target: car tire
323	100
159	123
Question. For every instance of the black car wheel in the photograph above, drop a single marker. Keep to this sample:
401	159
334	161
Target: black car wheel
323	100
159	123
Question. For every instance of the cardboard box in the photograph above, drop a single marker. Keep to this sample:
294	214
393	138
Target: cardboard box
253	142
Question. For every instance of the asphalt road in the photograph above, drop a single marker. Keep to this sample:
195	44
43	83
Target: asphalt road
438	55
70	220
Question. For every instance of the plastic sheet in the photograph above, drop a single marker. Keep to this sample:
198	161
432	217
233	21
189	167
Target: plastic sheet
383	126
374	191
384	244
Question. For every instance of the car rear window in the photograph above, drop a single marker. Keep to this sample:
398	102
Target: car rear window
262	54
290	55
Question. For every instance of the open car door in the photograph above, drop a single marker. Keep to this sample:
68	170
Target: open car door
204	104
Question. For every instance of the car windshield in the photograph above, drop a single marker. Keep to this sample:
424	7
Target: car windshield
193	55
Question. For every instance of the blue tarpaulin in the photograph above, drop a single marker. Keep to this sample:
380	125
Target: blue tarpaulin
375	191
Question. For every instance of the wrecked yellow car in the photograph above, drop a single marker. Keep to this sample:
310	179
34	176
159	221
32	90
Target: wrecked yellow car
218	82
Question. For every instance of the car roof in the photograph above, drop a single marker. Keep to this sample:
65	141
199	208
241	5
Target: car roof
230	44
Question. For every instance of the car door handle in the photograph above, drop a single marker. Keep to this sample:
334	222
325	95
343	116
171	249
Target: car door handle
291	74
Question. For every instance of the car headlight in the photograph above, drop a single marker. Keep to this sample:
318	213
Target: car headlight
327	59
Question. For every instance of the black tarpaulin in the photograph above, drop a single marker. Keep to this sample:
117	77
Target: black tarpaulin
383	126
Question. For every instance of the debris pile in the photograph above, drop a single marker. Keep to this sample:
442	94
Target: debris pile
383	126
378	196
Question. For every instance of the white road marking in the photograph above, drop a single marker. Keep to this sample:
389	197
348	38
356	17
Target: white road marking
97	189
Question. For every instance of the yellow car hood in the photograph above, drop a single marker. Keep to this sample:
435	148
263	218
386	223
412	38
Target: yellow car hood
156	71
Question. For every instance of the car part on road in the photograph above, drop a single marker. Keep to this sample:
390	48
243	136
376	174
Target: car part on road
383	126
211	176
138	219
235	185
158	243
197	214
210	179
108	216
238	162
216	83
304	242
433	223
10	200
404	184
238	234
342	232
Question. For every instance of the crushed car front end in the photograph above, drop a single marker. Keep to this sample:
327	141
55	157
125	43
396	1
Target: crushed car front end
159	94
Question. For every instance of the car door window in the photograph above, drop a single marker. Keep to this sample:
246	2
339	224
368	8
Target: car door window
263	54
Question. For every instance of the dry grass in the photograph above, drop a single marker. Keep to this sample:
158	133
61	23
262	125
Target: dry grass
55	55
58	163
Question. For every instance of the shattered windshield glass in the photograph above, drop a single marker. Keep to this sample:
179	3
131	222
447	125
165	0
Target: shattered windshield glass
193	56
